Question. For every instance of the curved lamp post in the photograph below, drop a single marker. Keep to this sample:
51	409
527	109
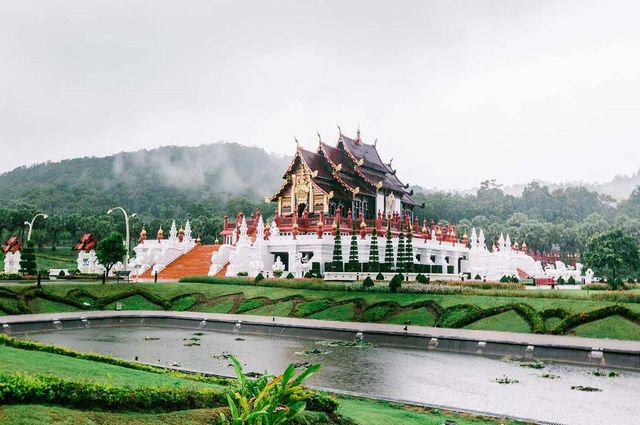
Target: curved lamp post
126	224
30	224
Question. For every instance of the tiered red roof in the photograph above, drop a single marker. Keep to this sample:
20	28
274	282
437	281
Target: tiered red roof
352	166
12	244
86	243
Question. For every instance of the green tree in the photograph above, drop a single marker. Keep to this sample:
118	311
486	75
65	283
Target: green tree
612	253
110	250
28	259
388	251
354	263
374	258
337	264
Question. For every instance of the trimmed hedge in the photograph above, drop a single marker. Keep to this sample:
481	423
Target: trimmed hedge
459	316
578	319
24	389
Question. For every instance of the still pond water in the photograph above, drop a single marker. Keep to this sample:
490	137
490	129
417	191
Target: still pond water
456	380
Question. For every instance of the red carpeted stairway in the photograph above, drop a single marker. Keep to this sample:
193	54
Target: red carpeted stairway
195	262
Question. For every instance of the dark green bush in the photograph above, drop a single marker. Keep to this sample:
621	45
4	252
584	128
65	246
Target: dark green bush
309	275
478	277
571	280
379	276
560	281
615	284
505	279
396	282
243	274
290	276
258	277
367	283
420	278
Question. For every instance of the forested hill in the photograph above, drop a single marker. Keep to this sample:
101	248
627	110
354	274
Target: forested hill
147	181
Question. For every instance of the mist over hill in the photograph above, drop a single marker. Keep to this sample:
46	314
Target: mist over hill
147	180
619	188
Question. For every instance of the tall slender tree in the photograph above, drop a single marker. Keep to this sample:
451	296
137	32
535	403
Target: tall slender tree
388	251
354	263
28	259
409	267
401	260
374	258
337	264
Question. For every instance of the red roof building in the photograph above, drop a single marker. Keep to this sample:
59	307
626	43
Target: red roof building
86	243
12	244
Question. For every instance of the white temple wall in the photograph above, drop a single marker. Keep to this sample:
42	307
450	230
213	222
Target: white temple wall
12	262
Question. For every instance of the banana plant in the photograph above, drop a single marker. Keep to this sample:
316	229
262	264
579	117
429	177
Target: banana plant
268	400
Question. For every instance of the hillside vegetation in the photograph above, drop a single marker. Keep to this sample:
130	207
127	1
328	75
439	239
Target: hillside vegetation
203	183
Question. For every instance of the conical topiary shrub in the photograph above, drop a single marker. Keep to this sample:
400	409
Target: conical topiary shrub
28	259
374	258
354	263
388	251
336	264
401	259
408	254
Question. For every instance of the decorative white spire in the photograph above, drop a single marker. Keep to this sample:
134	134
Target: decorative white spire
260	231
274	229
187	231
243	230
173	232
474	238
481	240
507	243
501	241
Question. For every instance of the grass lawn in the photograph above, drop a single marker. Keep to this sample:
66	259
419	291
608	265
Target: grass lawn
508	321
615	327
61	258
372	412
362	411
14	359
421	317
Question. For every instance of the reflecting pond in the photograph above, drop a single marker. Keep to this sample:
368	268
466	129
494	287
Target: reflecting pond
456	380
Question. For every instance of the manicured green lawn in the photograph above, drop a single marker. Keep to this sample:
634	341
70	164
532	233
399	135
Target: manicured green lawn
135	302
13	360
508	321
341	312
421	317
614	327
45	415
368	412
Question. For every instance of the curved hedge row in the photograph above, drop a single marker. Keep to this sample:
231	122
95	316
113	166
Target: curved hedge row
459	316
578	319
456	316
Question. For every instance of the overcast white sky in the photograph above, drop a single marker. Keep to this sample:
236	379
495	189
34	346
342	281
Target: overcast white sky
454	91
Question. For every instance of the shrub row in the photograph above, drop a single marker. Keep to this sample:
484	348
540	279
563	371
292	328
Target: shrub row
21	388
578	319
41	293
459	316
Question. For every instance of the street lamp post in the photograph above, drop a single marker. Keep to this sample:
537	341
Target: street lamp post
30	224
126	225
